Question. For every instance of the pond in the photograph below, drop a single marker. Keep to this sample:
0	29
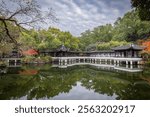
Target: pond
83	82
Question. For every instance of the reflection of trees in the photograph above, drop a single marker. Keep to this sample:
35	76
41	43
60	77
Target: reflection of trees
136	92
49	82
124	85
14	87
105	83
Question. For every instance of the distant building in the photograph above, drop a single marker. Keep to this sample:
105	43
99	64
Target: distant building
127	51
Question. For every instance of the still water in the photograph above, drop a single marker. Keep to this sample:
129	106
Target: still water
43	82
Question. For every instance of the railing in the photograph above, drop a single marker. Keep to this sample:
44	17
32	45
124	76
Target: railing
11	56
106	58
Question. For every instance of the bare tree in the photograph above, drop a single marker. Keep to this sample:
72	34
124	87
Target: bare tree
22	14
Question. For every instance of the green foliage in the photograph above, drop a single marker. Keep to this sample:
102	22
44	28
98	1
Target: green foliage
2	63
48	39
99	34
5	47
104	46
36	59
11	28
91	47
129	28
45	59
146	58
111	44
143	7
6	44
28	59
147	63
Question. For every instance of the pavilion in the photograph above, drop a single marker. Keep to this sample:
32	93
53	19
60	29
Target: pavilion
127	54
128	51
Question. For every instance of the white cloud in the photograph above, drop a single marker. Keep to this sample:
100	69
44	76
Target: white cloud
77	16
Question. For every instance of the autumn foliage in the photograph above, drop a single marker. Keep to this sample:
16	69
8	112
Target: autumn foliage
30	52
146	44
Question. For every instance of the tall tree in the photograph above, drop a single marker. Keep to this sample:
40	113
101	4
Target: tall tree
130	27
143	7
47	39
22	13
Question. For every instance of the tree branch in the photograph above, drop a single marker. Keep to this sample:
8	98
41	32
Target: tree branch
7	32
29	11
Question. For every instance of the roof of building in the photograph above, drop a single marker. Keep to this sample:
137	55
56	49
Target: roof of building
130	46
62	48
100	51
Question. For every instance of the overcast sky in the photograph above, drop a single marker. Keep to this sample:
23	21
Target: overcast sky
77	16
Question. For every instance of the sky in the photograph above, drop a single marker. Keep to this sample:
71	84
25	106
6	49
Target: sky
76	16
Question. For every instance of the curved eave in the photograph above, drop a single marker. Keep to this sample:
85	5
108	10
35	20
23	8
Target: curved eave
128	49
123	48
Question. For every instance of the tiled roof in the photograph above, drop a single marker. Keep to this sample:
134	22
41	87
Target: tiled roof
126	47
101	51
62	48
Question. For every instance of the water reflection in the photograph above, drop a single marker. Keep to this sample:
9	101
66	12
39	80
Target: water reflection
80	92
115	67
77	82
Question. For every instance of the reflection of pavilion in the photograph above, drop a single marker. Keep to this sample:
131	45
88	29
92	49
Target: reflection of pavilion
104	66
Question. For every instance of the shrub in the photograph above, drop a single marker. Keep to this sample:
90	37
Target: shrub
2	63
46	59
37	59
28	59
